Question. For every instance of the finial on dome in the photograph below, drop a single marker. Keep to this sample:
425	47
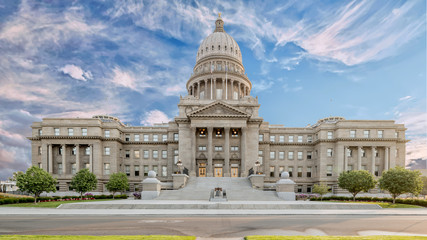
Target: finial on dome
219	14
219	24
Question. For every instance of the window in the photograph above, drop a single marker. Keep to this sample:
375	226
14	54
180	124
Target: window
364	167
309	187
175	137
396	134
40	150
107	133
164	171
175	156
362	152
352	133
106	169
155	154
281	155
40	132
146	170
156	169
377	170
281	169
136	154
366	133
155	138
377	154
309	138
272	138
234	148
308	171
136	137
329	152
146	154
73	151
299	188
219	94
329	170
87	165
70	132
272	155
330	135
290	171
260	156
127	154
299	172
349	168
218	148
164	137
60	150
261	137
136	170
281	139
290	138
299	139
146	137
349	152
299	155
127	170
290	155
396	153
234	132
84	131
106	151
56	130
272	171
164	154
73	168
127	137
218	132
60	168
380	133
309	155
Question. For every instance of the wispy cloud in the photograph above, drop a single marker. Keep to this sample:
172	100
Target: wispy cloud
154	116
76	72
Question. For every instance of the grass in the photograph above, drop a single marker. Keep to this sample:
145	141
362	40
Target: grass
335	238
50	204
383	204
136	237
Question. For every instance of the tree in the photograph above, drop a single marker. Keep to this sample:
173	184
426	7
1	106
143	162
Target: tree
83	181
356	181
36	181
321	189
118	182
399	180
15	175
424	190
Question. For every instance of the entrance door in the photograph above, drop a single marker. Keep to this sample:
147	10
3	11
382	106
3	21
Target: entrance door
202	172
218	172
234	172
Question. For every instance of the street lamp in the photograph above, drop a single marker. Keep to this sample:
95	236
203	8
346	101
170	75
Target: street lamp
179	164
257	164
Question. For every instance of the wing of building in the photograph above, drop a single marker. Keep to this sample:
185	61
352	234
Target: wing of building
218	133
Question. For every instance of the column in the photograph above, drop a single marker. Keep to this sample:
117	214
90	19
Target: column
345	159
373	160
359	158
243	171
392	156
226	88
44	157
64	153
198	89
77	157
91	158
209	172
227	152
211	88
206	89
214	89
239	91
193	152
386	158
232	89
50	156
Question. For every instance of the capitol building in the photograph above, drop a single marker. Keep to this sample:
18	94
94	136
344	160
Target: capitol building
217	133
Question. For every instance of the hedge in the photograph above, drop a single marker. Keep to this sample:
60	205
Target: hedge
12	200
418	202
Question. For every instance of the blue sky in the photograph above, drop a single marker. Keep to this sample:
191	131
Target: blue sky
131	59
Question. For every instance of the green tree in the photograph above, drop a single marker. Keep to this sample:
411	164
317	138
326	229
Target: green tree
356	181
118	182
424	190
15	175
399	180
84	181
321	189
36	181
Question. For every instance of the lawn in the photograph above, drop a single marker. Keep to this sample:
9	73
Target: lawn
51	204
37	237
383	204
335	238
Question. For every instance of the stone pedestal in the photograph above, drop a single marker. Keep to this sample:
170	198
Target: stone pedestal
257	181
179	180
150	187
285	187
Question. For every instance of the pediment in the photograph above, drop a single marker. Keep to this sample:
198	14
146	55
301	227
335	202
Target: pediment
219	109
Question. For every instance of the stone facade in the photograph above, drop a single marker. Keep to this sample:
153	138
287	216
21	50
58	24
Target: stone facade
217	133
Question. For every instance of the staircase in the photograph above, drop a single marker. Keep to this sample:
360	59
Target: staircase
199	188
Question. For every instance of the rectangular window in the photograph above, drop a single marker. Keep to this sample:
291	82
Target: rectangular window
281	169
272	171
70	132
290	155
309	155
155	154
127	137
299	172
260	156
73	168
349	152
60	168
218	148
299	155
127	154
136	170
396	134
164	137
290	138
281	138
73	151
164	171
146	137
309	138
84	131
106	151
175	156
329	152
272	138
352	133
281	155
380	133
146	154
40	132
40	150
175	137
309	188
299	139
299	188
164	154
56	130
377	170
155	138
202	148
261	137
329	170
136	137
291	171
377	154
309	172
127	170
107	133
234	148
136	154
364	167
330	135
146	170
272	155
60	150
156	169
349	168
362	152
106	169
366	133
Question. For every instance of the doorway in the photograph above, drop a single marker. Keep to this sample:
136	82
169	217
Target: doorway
234	172
202	171
218	172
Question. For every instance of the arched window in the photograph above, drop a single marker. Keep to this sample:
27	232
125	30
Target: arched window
225	48
219	47
212	47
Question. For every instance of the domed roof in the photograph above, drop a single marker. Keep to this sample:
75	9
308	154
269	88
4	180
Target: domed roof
219	43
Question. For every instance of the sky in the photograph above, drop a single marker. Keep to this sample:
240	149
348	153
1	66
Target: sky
307	60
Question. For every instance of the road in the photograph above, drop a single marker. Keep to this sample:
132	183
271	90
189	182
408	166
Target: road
214	226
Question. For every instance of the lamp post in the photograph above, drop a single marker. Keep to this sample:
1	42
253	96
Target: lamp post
179	164
257	164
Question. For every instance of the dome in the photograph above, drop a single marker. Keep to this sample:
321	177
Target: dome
219	43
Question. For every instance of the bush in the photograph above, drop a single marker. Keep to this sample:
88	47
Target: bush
418	202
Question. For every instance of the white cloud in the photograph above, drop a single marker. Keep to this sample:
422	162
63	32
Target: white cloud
262	85
155	116
124	79
287	88
405	98
76	72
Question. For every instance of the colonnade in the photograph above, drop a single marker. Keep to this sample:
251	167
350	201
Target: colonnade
389	160
233	89
50	165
